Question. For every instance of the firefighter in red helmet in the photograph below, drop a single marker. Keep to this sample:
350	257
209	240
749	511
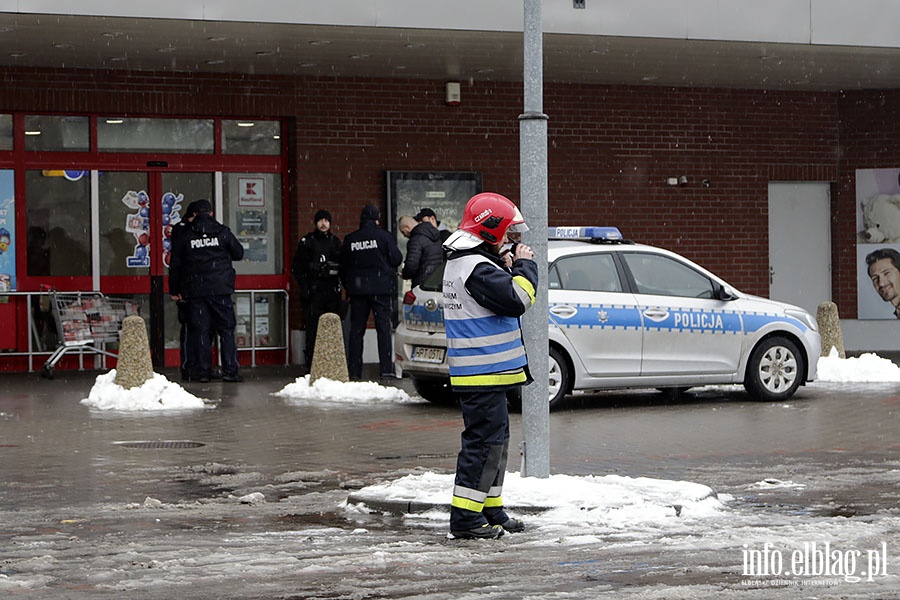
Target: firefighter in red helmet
484	296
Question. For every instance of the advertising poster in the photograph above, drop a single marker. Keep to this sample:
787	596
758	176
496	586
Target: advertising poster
7	232
878	243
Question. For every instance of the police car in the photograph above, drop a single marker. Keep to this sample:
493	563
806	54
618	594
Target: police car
626	315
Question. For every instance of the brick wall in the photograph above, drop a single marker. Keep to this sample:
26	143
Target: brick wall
611	148
870	130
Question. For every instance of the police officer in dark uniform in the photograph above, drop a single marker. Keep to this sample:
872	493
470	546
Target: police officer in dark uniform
202	274
177	229
369	261
316	266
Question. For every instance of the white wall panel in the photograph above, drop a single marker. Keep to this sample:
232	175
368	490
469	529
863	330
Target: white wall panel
826	22
785	21
856	23
163	9
639	18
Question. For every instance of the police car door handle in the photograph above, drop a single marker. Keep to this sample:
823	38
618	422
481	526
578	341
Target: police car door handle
563	311
656	314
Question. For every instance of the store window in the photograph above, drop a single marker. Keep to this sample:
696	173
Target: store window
123	134
259	318
253	212
251	137
124	223
58	232
52	133
6	132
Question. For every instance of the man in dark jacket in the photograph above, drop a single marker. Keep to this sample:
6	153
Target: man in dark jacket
202	274
181	305
369	261
424	253
427	214
316	266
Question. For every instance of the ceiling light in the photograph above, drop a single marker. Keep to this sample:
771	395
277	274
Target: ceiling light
112	34
484	71
245	124
117	58
649	78
32	133
265	53
414	46
308	64
319	42
114	121
216	38
61	45
276	137
17	54
217	61
359	56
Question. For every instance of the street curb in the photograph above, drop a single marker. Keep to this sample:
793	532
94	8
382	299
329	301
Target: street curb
403	507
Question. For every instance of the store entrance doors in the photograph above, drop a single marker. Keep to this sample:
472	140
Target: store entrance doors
137	210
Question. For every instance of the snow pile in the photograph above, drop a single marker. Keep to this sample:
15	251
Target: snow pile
865	368
157	393
564	500
353	392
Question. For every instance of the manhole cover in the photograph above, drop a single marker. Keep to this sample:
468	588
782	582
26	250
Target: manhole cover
161	444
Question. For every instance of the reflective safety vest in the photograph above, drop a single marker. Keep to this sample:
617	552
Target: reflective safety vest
483	349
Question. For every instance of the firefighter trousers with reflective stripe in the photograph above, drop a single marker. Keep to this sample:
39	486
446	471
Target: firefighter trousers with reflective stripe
481	463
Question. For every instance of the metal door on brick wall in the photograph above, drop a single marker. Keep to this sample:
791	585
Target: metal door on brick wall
800	243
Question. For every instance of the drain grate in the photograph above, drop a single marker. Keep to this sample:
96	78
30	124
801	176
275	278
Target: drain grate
164	444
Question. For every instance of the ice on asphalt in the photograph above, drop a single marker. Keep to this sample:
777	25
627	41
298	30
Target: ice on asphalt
614	500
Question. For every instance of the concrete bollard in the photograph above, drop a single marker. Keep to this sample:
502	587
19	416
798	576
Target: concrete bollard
830	328
134	366
329	359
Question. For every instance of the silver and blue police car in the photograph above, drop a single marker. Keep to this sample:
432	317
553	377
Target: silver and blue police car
626	315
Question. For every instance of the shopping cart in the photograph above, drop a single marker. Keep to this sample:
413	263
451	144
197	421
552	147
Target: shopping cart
85	322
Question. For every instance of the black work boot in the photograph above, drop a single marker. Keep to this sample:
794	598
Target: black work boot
484	532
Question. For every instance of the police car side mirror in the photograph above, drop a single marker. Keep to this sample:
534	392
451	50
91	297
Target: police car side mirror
723	292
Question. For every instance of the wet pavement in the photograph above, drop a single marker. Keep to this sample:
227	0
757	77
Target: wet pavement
106	504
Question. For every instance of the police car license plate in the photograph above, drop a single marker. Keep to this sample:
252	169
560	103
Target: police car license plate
428	354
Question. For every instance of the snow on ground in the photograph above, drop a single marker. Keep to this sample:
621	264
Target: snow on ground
352	392
157	393
562	499
867	367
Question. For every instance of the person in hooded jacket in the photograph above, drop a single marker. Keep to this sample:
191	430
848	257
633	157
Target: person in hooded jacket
424	253
202	274
316	266
181	305
369	261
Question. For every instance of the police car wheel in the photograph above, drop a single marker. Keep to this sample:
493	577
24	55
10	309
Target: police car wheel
559	378
437	391
775	370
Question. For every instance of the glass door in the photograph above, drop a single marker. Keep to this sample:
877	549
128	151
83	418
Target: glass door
137	210
176	191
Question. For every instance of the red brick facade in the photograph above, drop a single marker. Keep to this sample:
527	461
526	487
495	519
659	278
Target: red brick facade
611	149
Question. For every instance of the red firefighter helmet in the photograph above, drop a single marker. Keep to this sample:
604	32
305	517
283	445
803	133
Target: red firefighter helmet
489	216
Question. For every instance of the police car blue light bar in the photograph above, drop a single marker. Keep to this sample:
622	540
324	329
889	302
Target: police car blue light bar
608	234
